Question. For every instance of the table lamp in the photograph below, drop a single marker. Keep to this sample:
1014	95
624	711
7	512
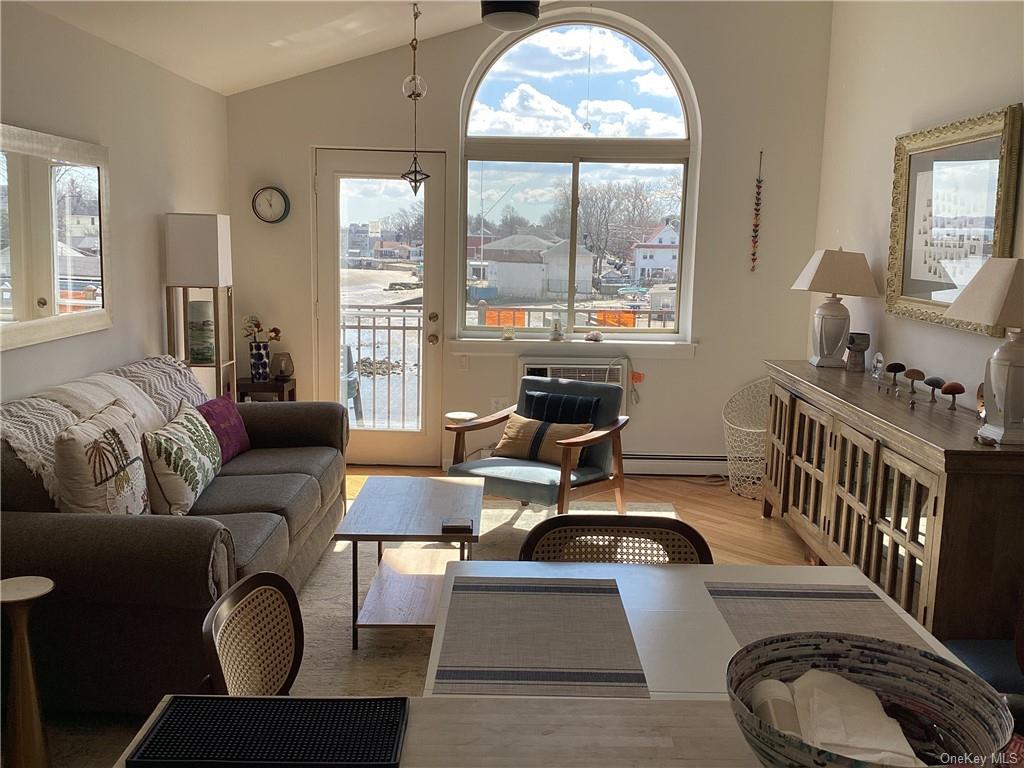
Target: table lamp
834	272
995	296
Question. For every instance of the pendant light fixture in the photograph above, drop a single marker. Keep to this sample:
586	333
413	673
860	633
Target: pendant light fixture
510	16
414	87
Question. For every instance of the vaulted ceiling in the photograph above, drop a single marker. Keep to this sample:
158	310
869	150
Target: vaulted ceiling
234	46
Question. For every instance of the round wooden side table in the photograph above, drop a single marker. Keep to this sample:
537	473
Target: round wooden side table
26	741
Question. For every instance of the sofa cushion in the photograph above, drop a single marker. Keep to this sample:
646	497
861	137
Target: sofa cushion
325	464
99	467
182	459
222	415
293	496
260	539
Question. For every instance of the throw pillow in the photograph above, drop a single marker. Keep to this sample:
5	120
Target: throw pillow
222	415
98	464
182	458
536	440
560	408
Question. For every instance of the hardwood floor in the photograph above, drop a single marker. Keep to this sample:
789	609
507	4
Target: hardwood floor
733	526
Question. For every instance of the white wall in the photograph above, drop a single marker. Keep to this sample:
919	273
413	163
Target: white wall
167	139
759	71
896	68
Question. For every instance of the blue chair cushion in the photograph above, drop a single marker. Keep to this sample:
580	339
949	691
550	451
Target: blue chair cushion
994	661
521	479
608	400
559	408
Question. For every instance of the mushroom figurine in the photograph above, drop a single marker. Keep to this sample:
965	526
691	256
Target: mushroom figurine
913	374
935	382
894	369
953	388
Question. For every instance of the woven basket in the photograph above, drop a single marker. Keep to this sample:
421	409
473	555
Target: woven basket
745	416
934	700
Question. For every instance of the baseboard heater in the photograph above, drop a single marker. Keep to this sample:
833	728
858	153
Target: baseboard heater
673	464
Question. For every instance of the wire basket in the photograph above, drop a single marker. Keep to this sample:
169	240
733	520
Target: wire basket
745	417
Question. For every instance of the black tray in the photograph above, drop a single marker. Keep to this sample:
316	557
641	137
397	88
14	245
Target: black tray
277	732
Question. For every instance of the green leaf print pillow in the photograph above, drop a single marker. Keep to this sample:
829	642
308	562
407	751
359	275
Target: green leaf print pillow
182	458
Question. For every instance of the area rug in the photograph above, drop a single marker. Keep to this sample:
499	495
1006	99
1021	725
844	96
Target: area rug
387	663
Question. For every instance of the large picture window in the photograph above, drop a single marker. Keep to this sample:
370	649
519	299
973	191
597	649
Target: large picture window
576	155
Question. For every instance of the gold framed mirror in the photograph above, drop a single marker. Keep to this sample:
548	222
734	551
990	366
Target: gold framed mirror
954	199
54	237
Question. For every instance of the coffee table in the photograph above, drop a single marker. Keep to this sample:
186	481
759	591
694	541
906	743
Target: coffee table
406	590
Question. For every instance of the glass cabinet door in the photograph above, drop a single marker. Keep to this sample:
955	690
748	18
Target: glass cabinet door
853	476
905	507
809	450
780	406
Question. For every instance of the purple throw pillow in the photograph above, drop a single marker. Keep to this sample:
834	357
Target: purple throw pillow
222	415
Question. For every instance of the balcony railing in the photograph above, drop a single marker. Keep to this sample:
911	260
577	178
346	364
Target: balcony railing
381	357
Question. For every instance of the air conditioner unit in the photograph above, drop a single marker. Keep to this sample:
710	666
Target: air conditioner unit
603	370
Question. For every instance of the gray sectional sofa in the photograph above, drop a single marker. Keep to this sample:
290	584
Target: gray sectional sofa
123	626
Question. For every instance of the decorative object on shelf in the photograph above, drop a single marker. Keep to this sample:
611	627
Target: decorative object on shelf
952	389
594	336
995	298
895	368
877	365
912	375
200	332
510	16
755	232
508	333
980	401
200	301
934	247
259	347
935	382
414	88
271	205
834	272
281	366
557	334
856	346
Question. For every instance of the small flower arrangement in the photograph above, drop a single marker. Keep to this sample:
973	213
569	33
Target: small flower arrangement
253	329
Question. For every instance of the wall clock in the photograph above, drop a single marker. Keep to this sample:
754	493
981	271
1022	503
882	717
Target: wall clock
271	204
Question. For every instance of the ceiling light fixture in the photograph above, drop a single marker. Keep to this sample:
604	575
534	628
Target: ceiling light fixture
414	87
510	16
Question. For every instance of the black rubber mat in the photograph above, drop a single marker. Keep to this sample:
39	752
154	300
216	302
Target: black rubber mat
277	732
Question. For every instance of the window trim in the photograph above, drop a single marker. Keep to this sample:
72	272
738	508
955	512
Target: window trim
576	150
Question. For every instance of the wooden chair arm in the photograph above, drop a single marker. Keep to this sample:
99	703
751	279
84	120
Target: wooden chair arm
594	436
483	422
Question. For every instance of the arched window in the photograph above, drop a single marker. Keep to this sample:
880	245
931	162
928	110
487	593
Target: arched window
576	151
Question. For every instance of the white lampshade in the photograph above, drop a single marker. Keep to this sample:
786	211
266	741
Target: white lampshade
198	250
994	296
842	272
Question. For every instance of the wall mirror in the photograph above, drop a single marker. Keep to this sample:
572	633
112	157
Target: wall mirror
54	239
953	206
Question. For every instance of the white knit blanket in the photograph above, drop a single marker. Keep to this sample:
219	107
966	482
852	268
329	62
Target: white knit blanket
152	388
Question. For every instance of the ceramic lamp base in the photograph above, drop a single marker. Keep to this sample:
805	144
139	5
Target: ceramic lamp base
831	332
1004	393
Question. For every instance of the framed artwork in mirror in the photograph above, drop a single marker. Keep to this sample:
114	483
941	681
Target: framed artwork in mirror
954	200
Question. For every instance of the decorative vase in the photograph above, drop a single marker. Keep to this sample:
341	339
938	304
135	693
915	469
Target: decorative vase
259	360
281	366
200	332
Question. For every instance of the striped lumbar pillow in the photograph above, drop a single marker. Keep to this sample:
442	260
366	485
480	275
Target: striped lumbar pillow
537	440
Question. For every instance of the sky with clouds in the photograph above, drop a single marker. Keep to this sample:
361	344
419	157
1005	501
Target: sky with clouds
541	87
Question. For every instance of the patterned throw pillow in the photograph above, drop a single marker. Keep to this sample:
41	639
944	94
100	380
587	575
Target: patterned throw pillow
182	458
222	415
536	440
98	464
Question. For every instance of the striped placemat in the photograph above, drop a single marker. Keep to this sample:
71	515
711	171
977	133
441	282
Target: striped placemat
755	611
538	637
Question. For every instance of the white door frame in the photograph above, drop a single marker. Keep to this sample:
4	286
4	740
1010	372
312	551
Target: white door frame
373	446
